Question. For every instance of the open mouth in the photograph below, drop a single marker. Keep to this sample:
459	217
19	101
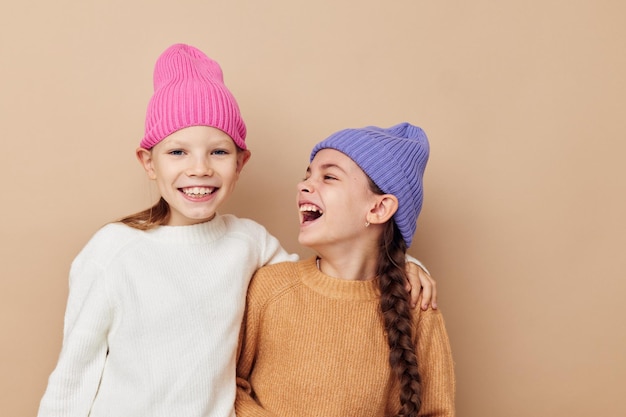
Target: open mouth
310	212
197	192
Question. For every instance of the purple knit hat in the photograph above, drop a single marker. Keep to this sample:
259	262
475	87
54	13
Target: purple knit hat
395	159
189	91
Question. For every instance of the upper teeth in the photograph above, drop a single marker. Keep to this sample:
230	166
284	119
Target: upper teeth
198	190
309	207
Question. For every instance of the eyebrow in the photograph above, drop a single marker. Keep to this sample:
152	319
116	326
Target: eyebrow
217	143
330	165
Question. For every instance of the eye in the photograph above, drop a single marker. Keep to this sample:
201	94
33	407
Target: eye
176	152
219	152
329	177
307	174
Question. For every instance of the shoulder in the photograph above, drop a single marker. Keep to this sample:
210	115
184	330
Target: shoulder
428	322
100	252
243	227
234	222
285	270
109	241
115	232
272	281
254	236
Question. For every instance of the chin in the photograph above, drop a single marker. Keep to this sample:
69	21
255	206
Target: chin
309	243
304	241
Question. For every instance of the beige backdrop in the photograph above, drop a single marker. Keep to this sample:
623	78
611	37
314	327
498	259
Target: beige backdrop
523	224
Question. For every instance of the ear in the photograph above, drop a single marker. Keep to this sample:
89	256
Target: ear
242	158
384	208
145	159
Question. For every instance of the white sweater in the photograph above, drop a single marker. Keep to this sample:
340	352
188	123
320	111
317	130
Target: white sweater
153	320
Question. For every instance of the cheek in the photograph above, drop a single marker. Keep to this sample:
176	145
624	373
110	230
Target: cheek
229	172
359	206
158	171
347	210
168	172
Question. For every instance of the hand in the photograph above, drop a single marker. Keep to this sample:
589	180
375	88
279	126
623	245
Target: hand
421	283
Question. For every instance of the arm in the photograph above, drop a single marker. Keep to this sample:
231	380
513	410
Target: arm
436	366
420	280
73	384
273	252
245	403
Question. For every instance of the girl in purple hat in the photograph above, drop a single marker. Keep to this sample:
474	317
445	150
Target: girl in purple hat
156	300
334	335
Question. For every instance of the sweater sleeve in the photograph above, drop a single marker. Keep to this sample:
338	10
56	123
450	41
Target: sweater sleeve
245	403
73	384
436	366
274	252
417	262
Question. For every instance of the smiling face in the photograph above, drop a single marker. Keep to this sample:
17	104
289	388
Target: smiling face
196	170
335	201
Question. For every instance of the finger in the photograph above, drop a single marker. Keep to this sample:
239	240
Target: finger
413	300
427	288
434	303
433	289
413	284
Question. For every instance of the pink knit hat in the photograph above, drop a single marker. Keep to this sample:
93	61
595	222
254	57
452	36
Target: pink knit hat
189	91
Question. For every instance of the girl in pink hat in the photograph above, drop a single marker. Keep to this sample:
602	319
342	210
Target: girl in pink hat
156	299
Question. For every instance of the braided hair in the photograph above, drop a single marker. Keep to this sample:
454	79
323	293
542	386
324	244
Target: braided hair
396	313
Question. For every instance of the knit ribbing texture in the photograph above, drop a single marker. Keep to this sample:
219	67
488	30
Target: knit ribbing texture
189	90
395	159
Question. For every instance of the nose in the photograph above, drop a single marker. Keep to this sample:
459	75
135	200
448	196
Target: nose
200	167
304	186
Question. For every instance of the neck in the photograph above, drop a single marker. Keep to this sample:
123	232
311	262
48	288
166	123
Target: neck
359	266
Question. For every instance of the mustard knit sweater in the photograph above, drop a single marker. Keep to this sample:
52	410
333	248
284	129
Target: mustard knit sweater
313	345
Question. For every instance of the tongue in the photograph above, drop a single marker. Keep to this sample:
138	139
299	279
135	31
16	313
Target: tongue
309	216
